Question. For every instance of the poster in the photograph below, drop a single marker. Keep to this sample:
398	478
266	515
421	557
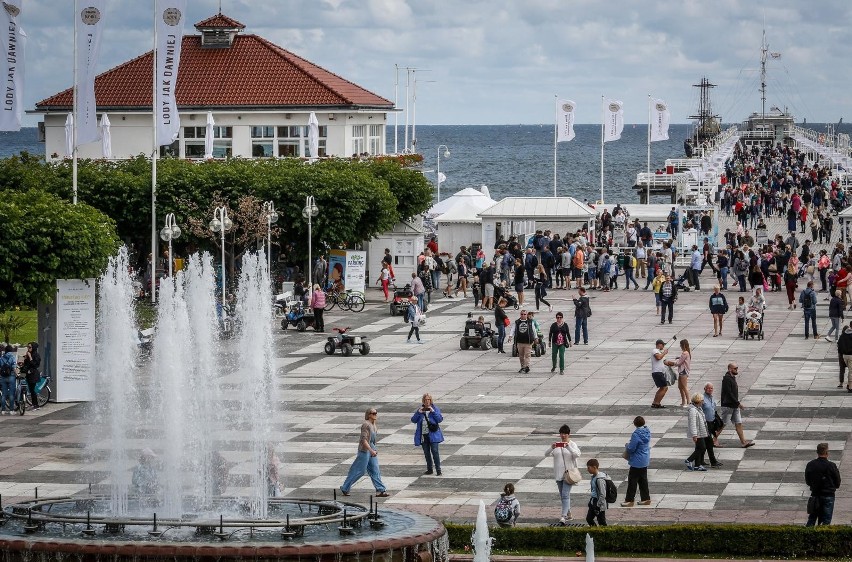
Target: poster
75	340
355	270
336	267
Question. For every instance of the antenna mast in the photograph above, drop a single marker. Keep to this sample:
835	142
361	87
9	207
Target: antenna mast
764	49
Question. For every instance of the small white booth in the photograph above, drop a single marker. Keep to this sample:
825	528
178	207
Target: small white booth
405	242
458	222
844	221
522	216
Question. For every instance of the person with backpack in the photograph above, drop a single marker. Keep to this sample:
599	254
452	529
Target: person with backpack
808	300
604	271
7	381
30	369
508	508
603	491
582	312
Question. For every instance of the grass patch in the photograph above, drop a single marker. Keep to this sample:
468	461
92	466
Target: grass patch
27	332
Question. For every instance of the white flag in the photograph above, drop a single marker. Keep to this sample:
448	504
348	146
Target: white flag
565	120
659	120
89	24
170	18
12	67
442	177
613	120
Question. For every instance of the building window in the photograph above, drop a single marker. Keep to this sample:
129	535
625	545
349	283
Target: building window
194	141
323	134
359	133
290	141
376	139
263	141
170	150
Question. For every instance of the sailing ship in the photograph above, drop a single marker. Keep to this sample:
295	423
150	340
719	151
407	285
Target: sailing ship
707	125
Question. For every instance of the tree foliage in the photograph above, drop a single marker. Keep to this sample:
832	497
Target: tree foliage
46	238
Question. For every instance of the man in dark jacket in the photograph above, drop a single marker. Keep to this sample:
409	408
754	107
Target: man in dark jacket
731	406
668	296
823	478
582	311
524	337
844	354
559	338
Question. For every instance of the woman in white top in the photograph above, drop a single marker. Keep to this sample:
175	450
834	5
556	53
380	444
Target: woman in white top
565	454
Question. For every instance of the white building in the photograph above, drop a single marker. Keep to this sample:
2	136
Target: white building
260	94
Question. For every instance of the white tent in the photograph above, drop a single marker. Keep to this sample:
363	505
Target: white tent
458	221
469	194
522	216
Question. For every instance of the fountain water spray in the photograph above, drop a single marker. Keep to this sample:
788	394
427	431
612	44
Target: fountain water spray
481	540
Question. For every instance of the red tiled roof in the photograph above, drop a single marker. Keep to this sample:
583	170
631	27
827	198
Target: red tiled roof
220	20
253	72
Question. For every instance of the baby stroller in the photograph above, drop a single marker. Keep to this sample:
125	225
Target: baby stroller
500	292
753	324
399	304
682	284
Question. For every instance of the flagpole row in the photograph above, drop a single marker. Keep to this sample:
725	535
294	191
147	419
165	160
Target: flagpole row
603	127
648	167
555	137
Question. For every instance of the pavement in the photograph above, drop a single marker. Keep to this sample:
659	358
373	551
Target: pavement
499	423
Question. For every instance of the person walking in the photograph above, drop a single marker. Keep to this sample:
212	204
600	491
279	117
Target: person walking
638	454
808	300
502	321
697	431
540	289
597	501
524	336
844	355
695	267
791	283
367	458
518	281
683	366
414	316
668	296
823	478
8	363
714	424
582	311
427	432
558	338
718	308
565	454
318	304
658	372
384	280
835	314
732	408
418	289
30	369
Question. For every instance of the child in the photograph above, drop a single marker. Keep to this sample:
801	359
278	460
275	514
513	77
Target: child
531	316
475	290
832	280
597	503
616	270
741	312
508	508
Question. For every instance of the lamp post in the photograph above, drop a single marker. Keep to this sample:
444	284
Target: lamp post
271	218
221	223
309	212
170	232
446	155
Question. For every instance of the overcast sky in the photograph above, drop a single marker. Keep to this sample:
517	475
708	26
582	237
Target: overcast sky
503	61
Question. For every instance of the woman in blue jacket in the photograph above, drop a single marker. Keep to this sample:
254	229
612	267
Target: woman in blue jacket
638	452
427	432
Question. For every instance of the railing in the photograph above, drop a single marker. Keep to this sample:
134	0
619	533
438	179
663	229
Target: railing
660	180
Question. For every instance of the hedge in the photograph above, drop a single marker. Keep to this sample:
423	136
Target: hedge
787	541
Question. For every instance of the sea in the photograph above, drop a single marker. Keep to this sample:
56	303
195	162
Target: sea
514	160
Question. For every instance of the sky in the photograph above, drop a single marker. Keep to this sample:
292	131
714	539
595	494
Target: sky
504	61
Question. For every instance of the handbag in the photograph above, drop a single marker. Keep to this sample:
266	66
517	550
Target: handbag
671	375
773	268
810	270
571	475
626	454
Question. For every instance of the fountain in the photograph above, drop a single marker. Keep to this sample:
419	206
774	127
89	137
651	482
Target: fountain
481	540
165	433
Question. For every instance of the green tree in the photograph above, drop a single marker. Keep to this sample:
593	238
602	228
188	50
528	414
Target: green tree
45	239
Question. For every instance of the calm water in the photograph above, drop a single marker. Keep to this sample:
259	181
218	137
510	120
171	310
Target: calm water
514	159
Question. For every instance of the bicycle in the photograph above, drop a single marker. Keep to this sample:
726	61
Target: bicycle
22	392
346	300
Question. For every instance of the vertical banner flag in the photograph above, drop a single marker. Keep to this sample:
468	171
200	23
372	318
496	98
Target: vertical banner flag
89	24
12	67
565	120
659	120
170	18
613	120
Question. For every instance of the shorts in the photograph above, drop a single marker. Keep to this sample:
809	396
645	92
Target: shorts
576	273
519	287
593	273
489	290
660	380
731	415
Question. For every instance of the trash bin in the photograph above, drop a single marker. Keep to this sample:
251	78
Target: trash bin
669	169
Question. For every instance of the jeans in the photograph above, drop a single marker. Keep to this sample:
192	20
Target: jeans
723	272
664	305
501	335
810	316
7	387
835	328
822	278
565	496
581	323
594	513
695	281
436	278
364	464
430	451
415	329
628	278
824	512
637	477
742	282
420	302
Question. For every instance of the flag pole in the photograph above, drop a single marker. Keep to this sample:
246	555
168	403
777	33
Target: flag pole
74	115
603	126
648	179
154	166
555	133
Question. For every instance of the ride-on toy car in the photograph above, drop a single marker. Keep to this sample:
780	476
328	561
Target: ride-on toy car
346	343
298	317
477	334
399	304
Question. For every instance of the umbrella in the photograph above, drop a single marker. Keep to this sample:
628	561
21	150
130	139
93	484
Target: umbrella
69	135
106	138
313	136
208	136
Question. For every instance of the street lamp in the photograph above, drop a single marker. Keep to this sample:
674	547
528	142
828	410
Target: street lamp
311	210
446	155
221	223
271	218
170	232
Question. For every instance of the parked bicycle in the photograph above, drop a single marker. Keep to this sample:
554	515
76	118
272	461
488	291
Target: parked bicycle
22	392
345	300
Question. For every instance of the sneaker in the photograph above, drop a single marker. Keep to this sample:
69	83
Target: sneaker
645	502
526	369
553	370
563	520
561	372
689	465
569	517
550	308
626	504
700	468
716	464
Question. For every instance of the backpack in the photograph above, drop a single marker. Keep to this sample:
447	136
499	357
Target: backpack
503	511
611	491
6	370
807	301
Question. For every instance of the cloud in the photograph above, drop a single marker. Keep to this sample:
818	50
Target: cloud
502	61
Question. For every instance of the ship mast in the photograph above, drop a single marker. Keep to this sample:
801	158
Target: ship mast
764	49
704	116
